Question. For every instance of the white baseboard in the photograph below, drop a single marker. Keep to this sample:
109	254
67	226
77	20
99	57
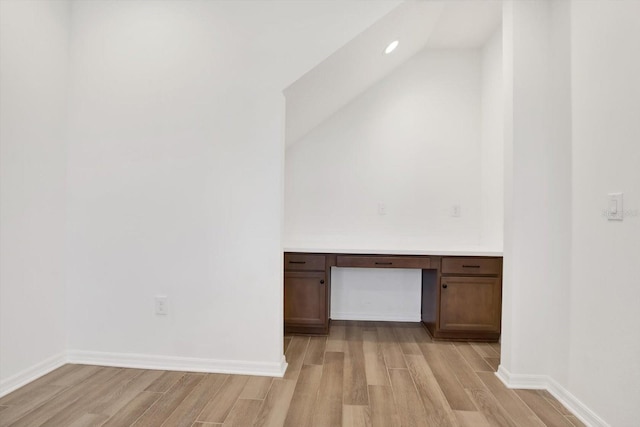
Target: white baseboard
142	361
24	377
173	363
545	382
376	317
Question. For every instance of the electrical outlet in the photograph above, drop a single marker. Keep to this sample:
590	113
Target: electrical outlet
162	305
455	211
382	209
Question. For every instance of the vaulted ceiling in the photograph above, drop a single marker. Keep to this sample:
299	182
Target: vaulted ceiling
360	63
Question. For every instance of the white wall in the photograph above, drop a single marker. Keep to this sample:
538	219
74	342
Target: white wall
604	364
412	143
538	192
571	289
492	144
176	173
33	104
536	261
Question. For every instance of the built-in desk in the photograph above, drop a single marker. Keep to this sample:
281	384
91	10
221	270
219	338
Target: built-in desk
461	292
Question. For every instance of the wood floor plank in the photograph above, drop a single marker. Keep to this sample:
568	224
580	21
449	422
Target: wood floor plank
512	404
439	412
61	401
543	409
552	400
133	410
92	393
406	339
391	350
460	368
63	377
243	414
302	403
31	391
336	338
190	408
449	384
158	413
421	335
471	419
355	416
113	402
410	408
490	408
218	408
256	388
485	349
328	406
575	421
375	369
274	409
287	340
472	357
90	420
355	375
79	374
315	351
295	356
494	362
383	406
165	381
28	401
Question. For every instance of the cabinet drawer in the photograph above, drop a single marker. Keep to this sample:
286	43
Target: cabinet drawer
383	262
304	262
461	265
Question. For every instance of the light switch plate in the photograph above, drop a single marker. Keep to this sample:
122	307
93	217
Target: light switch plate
614	207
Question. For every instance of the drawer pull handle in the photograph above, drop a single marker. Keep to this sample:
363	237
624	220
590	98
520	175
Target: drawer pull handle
322	282
444	286
384	263
297	262
470	266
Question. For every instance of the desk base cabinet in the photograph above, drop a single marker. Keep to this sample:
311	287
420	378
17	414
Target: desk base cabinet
463	301
461	296
306	294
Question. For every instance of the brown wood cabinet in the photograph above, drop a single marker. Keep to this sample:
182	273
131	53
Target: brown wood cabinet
461	296
464	300
306	294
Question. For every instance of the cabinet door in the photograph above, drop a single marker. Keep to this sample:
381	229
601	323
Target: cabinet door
470	304
305	298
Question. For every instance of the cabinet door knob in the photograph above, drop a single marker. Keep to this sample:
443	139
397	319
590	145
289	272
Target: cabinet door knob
322	282
444	286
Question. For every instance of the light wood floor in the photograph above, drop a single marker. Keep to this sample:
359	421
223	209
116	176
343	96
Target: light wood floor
363	374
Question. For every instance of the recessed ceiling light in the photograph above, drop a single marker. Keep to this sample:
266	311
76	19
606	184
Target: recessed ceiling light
392	46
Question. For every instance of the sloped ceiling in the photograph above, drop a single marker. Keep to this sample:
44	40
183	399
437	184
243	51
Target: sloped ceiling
361	62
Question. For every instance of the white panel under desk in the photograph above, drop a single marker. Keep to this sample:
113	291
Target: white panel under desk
385	294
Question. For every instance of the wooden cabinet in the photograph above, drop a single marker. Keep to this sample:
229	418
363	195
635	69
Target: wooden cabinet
461	296
306	294
466	299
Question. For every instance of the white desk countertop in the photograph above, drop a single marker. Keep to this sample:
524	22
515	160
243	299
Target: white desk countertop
433	252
